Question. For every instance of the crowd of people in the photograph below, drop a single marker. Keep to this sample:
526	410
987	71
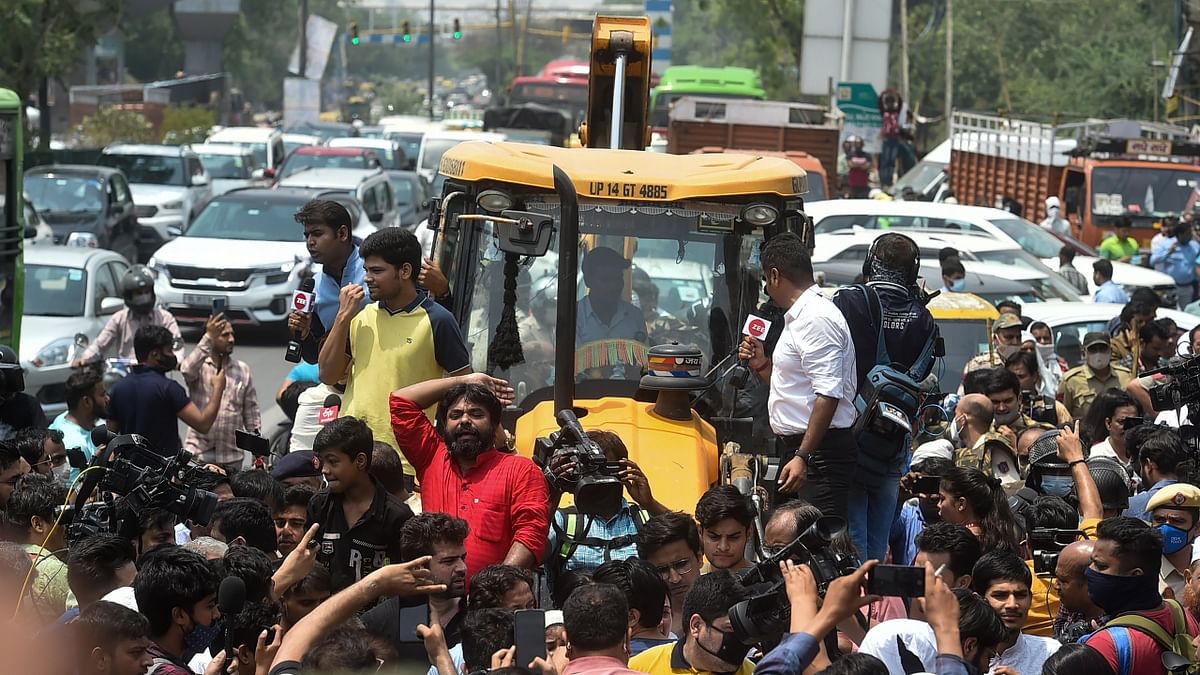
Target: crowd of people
1052	521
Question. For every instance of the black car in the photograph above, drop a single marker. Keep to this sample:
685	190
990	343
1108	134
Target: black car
94	201
412	196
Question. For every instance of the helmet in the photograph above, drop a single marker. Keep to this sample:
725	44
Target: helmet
137	287
12	375
1111	481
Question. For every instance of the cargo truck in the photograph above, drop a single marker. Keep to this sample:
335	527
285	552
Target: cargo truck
1100	170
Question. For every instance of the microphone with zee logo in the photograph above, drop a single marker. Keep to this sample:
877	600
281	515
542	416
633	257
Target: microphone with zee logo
302	301
329	409
757	328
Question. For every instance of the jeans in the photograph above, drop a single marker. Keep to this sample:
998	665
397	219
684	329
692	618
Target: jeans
887	160
872	511
830	470
1185	294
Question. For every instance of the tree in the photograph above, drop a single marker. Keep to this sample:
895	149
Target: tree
42	40
114	125
186	124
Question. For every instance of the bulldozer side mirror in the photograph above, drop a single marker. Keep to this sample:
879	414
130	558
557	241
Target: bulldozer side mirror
524	233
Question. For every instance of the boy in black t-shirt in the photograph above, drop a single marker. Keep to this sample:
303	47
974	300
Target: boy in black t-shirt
360	522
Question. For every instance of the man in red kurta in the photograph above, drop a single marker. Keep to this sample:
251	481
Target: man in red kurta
502	496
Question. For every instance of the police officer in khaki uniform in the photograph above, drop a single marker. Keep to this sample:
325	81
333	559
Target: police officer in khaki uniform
1080	385
980	447
1006	341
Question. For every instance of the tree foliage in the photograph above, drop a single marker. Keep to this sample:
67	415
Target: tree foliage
187	124
44	38
114	125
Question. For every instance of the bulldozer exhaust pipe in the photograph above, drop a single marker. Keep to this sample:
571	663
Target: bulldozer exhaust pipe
568	287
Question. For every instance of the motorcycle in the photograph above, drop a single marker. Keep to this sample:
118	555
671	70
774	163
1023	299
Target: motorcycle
113	369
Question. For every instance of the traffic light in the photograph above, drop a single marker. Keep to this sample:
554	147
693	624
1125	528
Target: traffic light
566	34
457	29
406	31
354	39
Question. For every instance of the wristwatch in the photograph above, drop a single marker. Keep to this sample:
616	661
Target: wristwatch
803	455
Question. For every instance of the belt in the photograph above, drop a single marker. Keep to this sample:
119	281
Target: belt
796	439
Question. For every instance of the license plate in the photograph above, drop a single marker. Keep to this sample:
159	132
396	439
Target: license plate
204	300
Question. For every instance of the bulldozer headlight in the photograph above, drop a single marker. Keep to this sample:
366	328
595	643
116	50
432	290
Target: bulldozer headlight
494	201
760	214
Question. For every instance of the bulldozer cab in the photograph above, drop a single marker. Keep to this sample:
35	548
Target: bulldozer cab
570	266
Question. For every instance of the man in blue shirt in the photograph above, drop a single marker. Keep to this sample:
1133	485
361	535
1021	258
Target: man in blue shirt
147	402
327	235
87	404
1159	452
1177	257
1106	290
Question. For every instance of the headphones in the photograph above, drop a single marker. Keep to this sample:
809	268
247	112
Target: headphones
910	279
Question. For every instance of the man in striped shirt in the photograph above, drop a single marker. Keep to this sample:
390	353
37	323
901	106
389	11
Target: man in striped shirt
239	403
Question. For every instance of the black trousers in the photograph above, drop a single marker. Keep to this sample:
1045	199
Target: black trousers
830	469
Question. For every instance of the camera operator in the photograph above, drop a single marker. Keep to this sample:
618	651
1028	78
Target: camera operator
97	566
582	541
1158	451
918	509
1077	614
707	644
18	410
1003	389
1036	405
147	402
1122	580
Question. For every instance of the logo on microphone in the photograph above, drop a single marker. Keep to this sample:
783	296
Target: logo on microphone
301	301
328	414
756	327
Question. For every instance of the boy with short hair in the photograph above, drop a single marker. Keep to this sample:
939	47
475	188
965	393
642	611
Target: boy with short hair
112	640
31	516
360	522
725	518
671	543
1004	580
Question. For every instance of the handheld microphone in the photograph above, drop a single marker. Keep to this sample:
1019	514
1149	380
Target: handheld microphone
329	409
101	436
231	599
757	328
302	301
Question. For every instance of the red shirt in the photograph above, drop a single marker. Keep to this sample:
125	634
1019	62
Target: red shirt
504	498
1147	654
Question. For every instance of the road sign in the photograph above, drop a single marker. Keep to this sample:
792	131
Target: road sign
860	104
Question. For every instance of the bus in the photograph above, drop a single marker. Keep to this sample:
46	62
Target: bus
12	229
677	81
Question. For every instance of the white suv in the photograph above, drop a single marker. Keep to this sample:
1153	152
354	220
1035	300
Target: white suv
371	187
169	186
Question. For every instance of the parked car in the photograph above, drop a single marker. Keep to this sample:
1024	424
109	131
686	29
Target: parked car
391	153
85	204
412	196
371	188
229	166
990	287
265	142
68	290
323	157
1070	321
975	222
324	130
245	248
1003	259
169	186
293	141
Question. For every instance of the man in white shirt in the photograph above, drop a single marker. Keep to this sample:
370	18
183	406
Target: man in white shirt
1003	579
813	379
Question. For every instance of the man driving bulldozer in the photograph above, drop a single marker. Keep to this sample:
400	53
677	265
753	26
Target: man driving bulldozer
604	316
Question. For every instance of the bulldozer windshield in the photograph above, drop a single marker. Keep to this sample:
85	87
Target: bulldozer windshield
647	276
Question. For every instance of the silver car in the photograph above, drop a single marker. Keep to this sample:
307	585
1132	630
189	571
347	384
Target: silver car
68	290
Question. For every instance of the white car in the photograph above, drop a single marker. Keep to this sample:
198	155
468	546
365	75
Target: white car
68	290
293	141
265	142
229	166
169	186
371	187
435	144
975	221
245	248
391	153
1070	321
997	258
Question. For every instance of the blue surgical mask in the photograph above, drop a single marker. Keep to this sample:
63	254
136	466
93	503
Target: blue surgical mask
1057	486
201	637
1174	538
958	285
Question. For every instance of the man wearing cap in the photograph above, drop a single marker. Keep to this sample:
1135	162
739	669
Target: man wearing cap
1175	513
603	314
1081	384
1006	341
1054	220
302	467
980	447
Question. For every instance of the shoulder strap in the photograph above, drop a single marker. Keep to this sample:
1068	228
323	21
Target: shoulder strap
882	358
1143	625
1124	649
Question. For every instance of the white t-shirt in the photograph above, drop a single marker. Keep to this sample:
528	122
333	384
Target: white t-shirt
1027	655
308	412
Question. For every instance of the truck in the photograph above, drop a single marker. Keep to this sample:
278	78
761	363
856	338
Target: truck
678	81
1101	170
734	125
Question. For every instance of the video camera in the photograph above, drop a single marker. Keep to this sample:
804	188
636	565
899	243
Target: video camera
1047	543
595	479
141	478
1039	408
766	614
1181	387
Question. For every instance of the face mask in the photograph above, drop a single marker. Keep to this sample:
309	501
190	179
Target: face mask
956	430
60	474
958	285
201	637
1046	352
1174	539
1099	361
1116	594
1008	417
1057	486
1006	351
732	652
168	362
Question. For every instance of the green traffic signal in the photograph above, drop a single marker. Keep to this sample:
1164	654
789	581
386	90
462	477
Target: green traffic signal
354	39
458	30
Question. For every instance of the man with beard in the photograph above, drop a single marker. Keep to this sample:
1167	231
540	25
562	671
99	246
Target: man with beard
443	539
239	404
1002	579
87	404
147	402
502	496
360	522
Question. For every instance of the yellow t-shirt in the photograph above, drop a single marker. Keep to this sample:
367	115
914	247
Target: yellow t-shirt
668	659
